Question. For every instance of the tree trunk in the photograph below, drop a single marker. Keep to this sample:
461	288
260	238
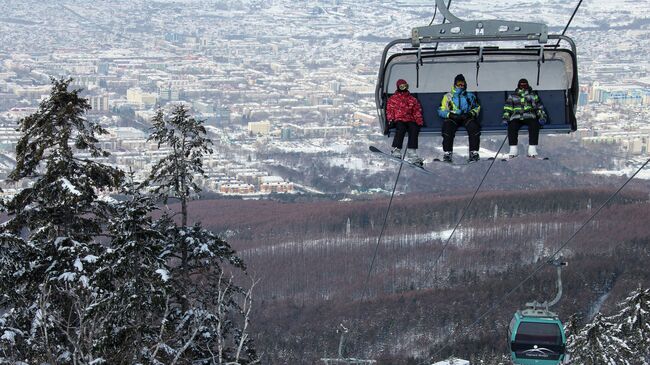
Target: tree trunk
184	225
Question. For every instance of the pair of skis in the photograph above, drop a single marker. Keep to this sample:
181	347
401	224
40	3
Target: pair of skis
399	160
418	167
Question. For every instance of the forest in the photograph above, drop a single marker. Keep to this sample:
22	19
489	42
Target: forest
312	259
97	268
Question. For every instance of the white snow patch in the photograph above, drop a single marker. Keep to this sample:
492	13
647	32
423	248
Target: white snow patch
68	186
91	259
78	265
9	336
407	239
68	276
595	307
107	199
164	274
643	174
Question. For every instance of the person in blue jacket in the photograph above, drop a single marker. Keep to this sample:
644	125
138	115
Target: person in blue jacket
460	108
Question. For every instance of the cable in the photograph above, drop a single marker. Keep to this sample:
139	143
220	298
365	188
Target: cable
539	267
435	11
466	209
383	227
569	22
381	233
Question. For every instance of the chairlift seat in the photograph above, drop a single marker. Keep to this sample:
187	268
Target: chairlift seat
499	70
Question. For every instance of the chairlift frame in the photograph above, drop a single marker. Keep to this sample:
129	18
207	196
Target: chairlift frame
564	101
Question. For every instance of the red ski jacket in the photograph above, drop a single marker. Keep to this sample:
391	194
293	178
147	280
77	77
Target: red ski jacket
404	107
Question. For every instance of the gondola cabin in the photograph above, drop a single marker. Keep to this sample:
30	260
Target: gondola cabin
536	338
491	72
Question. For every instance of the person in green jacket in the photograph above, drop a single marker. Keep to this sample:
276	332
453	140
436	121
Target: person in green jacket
523	107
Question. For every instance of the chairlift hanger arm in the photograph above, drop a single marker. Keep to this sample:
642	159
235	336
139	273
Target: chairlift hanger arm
440	4
558	263
458	28
478	30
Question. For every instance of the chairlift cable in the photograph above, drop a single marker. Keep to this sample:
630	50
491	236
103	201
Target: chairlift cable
443	20
501	300
435	11
448	5
569	22
383	228
435	263
381	234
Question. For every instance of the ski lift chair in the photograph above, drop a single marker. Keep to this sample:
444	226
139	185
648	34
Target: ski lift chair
491	72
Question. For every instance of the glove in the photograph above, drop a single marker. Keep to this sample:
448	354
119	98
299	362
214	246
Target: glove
465	117
541	121
392	124
455	117
504	121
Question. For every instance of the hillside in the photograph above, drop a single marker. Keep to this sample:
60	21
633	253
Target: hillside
313	267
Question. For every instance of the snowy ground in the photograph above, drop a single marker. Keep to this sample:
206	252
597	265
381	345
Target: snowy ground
411	239
628	170
311	146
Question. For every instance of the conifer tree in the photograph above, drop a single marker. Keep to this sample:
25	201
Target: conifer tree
49	243
174	175
208	314
571	325
599	343
633	321
135	271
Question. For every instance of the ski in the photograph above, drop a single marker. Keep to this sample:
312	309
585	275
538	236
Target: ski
464	163
399	160
506	159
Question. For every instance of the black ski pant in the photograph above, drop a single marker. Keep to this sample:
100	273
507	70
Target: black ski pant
402	128
449	128
533	131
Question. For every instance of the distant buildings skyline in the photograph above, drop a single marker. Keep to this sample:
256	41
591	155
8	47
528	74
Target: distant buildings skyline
262	72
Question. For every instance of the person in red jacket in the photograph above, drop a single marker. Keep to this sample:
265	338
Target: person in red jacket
405	112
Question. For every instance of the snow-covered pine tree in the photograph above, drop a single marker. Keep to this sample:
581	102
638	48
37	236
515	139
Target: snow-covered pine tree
208	315
633	321
571	325
135	273
174	175
599	343
49	243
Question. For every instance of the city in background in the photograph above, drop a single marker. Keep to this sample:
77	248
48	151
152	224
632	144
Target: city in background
273	79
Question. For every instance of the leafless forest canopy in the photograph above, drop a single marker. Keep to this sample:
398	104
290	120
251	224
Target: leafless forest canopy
313	260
